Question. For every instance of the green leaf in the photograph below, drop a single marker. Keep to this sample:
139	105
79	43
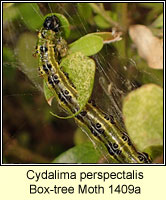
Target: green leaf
10	13
49	95
158	23
80	137
27	62
83	153
152	5
31	15
9	64
7	5
81	71
64	23
101	22
8	55
143	115
84	10
154	151
88	45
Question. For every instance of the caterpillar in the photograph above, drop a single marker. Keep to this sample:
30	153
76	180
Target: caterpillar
103	128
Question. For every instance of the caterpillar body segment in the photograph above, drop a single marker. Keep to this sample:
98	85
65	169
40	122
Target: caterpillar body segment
102	128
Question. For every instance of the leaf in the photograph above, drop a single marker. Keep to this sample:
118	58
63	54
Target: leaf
149	47
8	55
108	37
101	22
83	153
158	23
10	13
158	6
84	10
28	64
31	15
7	5
154	151
80	137
9	64
81	71
64	24
87	45
49	95
143	116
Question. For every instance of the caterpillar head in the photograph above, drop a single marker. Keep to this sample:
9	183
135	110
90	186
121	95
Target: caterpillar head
52	23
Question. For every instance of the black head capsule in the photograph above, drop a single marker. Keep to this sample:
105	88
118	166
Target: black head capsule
52	23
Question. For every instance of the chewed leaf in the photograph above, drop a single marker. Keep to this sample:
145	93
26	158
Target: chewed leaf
81	70
108	37
143	116
83	153
64	24
88	45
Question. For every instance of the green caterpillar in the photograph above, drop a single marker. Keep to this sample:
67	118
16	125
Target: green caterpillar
51	47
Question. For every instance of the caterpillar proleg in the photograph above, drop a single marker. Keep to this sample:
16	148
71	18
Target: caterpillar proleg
51	47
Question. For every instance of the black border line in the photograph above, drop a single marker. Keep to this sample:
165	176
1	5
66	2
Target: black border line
94	164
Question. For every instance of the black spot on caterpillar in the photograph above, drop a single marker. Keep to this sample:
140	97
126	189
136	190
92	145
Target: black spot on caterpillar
101	127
